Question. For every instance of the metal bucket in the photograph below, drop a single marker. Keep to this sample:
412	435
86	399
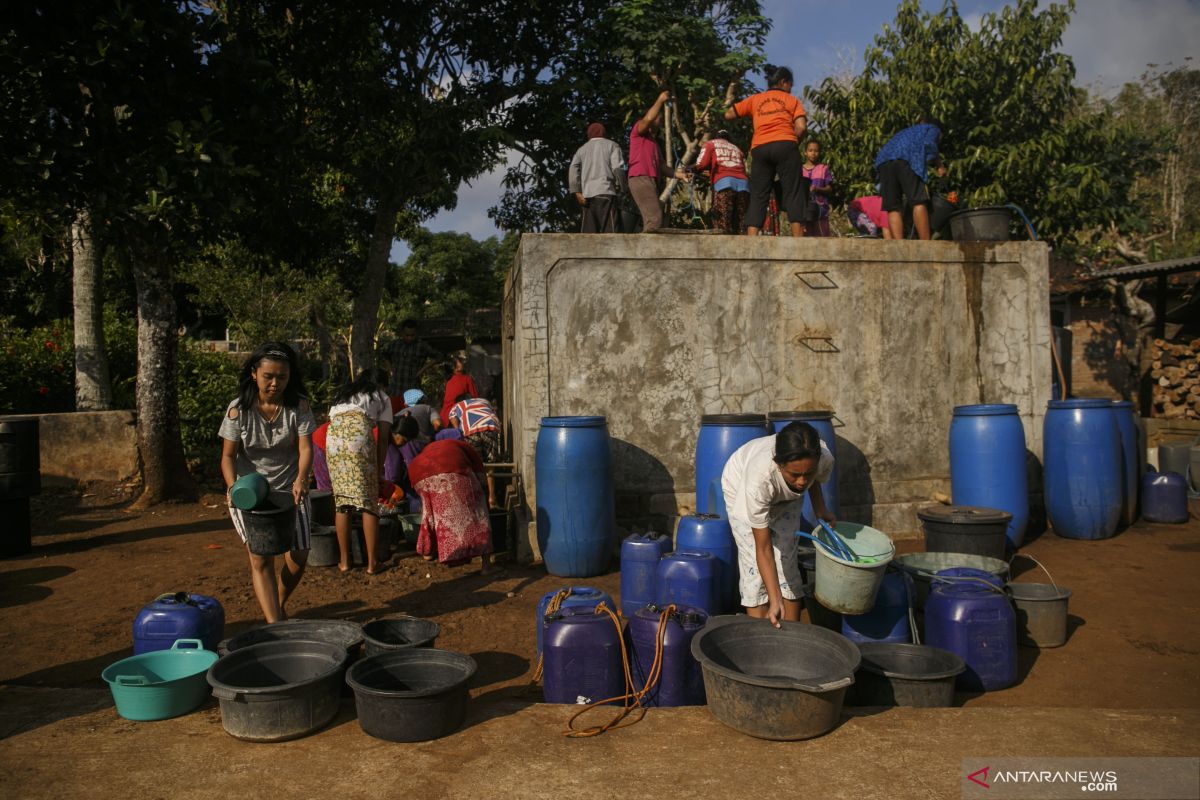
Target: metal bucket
1041	613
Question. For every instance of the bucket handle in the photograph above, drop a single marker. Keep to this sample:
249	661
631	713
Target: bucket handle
132	680
222	693
187	644
965	579
1040	564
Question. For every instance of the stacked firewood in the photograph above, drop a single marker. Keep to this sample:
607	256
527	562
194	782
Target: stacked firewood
1175	371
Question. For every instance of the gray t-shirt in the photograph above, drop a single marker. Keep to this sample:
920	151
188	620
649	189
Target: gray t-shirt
426	417
271	449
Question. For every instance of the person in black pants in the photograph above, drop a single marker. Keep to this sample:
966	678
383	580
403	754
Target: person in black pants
779	124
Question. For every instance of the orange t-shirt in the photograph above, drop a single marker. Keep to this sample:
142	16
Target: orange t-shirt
774	112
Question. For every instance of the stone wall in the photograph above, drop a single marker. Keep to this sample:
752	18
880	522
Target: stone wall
87	446
653	331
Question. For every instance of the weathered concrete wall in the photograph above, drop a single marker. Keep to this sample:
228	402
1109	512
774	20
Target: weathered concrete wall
653	331
87	446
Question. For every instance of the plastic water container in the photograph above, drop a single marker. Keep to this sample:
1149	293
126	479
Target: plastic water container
1164	497
721	435
888	620
822	420
583	598
1082	457
681	681
708	533
1131	460
178	615
687	579
249	491
576	530
639	565
976	622
987	463
582	661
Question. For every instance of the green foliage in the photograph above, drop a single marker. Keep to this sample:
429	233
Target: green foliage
450	275
207	382
37	368
1014	128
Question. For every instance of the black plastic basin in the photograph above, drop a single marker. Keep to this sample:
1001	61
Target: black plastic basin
913	675
347	635
399	633
411	695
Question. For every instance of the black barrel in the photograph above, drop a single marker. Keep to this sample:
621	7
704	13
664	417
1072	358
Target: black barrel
20	479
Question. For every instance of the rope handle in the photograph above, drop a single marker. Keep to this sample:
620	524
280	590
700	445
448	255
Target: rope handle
1053	582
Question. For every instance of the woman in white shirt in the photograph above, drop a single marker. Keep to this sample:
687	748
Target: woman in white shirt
764	483
356	455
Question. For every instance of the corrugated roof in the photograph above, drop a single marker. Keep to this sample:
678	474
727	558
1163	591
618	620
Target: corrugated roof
1188	264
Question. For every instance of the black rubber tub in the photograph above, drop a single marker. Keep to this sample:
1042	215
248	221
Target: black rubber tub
411	695
783	684
913	675
965	529
276	691
983	224
347	635
399	633
322	507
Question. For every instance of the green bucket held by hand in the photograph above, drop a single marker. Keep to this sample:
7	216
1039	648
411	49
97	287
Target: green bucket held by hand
849	587
248	491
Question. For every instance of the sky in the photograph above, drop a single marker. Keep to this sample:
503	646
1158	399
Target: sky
1111	42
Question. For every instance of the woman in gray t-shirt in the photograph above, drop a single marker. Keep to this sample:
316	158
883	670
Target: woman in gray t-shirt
268	430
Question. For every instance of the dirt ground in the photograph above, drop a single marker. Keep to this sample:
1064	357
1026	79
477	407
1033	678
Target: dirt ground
1124	684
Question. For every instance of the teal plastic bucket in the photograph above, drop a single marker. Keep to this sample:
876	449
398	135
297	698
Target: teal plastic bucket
850	587
161	684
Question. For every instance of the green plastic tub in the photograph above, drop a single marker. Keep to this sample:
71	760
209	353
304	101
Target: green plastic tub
849	587
161	684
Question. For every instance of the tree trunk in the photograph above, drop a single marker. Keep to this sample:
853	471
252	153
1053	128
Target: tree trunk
164	469
93	391
366	303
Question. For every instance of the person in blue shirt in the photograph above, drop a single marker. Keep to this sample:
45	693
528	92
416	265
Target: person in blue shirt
902	164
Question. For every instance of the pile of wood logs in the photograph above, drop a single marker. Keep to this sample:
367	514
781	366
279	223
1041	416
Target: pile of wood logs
1175	370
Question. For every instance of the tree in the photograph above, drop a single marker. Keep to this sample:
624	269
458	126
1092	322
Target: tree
1015	130
700	50
93	390
451	274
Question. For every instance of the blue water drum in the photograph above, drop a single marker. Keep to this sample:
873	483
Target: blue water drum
888	620
720	435
639	566
585	598
987	463
680	681
178	615
576	530
582	660
1164	497
1082	457
976	621
687	579
1131	460
708	533
823	422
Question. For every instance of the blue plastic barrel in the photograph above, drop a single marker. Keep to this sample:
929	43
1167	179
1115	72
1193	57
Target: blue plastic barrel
987	463
582	660
720	435
575	527
888	620
977	623
680	679
1164	497
1131	460
687	579
178	616
584	598
823	422
639	564
708	533
1082	458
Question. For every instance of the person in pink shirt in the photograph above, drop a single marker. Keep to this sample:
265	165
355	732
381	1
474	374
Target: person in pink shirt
868	217
819	188
646	165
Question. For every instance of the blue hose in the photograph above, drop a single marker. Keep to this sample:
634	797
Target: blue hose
1028	225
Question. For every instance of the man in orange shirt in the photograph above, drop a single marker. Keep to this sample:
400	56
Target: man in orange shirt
779	124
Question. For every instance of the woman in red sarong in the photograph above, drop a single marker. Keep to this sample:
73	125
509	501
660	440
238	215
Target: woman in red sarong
448	476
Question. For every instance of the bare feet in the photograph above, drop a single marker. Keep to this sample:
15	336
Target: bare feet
377	568
343	567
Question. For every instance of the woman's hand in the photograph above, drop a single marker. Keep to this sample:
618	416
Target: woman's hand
775	611
299	489
828	516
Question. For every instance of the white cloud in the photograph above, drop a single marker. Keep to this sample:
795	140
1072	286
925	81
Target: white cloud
1112	41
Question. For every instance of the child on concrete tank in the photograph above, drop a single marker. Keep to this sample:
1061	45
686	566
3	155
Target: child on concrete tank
268	429
763	484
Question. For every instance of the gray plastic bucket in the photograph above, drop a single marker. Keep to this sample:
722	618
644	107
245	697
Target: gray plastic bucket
1041	613
984	224
849	587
